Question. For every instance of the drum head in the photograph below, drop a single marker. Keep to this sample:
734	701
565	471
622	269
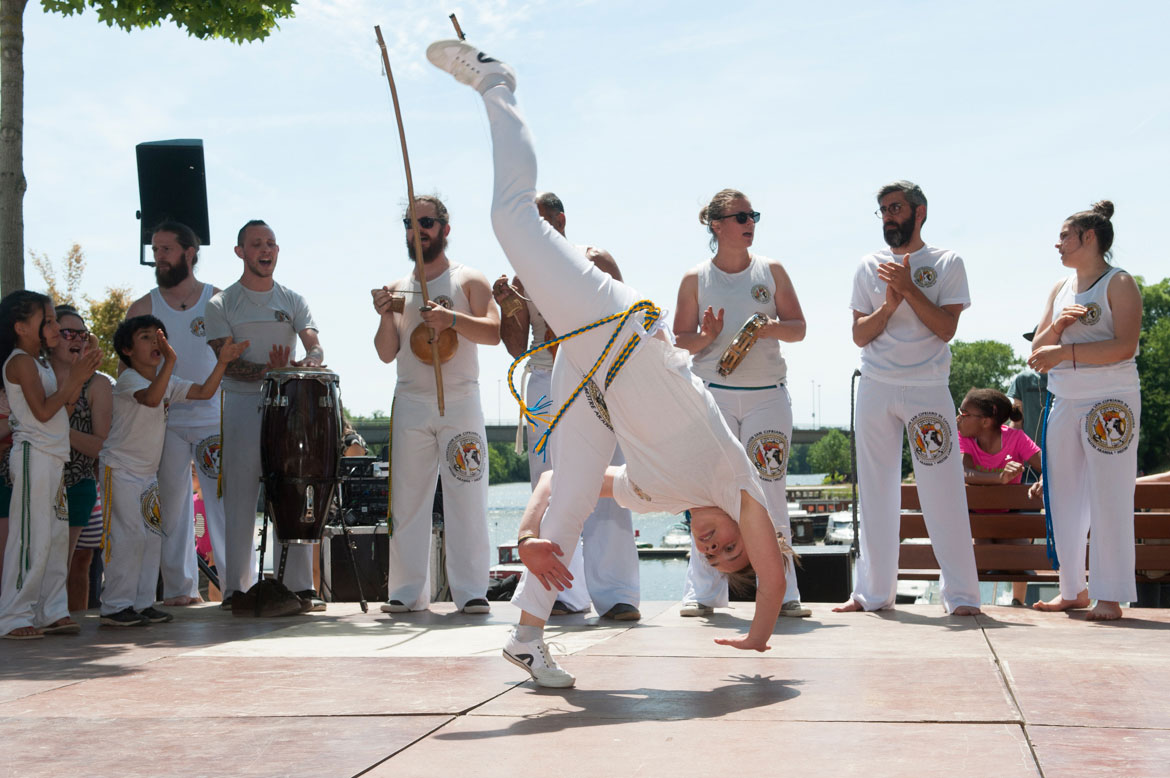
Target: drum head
420	344
292	372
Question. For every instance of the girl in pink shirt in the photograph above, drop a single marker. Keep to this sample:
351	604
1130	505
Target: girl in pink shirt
994	453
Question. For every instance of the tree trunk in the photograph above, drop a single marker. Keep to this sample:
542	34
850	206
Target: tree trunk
12	181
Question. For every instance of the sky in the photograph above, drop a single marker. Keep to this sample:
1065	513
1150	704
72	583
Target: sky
1011	116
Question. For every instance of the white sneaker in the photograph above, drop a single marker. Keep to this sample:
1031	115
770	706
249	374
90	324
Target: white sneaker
470	66
695	609
537	660
394	606
793	609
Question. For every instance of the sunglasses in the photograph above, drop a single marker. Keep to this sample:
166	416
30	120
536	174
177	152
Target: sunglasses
426	222
69	334
742	217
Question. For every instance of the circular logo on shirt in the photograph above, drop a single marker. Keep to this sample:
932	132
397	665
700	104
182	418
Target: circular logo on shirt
207	453
925	277
197	327
465	456
151	512
1092	314
761	294
768	451
1109	426
281	316
930	438
445	301
597	403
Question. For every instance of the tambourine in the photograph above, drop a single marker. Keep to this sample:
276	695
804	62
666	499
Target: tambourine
420	344
741	345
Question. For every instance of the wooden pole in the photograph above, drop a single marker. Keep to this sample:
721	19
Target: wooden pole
418	260
458	29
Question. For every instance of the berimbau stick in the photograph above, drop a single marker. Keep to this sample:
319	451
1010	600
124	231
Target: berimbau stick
458	29
418	260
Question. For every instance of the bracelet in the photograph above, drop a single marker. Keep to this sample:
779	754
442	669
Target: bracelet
1074	355
525	536
452	319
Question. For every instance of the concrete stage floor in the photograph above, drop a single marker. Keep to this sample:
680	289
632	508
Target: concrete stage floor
908	692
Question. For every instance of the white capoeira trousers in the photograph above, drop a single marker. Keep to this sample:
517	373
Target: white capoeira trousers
926	414
1091	448
452	447
240	460
132	545
38	543
605	570
184	445
762	420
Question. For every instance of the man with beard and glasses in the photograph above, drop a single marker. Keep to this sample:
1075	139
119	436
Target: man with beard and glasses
179	302
271	317
906	305
463	316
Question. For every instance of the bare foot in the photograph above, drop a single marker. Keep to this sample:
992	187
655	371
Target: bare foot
966	610
1058	603
178	601
24	633
849	606
1105	610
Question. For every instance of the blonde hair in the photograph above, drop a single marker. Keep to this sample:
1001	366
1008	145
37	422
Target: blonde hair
742	583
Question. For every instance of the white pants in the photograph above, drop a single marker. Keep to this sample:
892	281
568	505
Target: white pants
1091	447
762	419
180	571
240	460
454	447
605	567
35	564
132	543
926	414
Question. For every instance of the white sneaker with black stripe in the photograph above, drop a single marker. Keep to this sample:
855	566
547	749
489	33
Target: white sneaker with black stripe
470	66
535	657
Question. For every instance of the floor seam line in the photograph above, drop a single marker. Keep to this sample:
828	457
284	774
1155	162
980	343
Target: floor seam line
1023	720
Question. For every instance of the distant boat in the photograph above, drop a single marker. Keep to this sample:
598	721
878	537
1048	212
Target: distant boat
510	564
677	536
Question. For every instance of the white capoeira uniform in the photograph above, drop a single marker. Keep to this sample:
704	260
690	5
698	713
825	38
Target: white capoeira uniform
265	319
605	568
755	405
679	452
452	446
35	558
1091	454
904	390
192	435
130	506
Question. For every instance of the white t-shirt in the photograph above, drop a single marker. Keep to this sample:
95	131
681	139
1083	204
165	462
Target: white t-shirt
461	371
135	442
266	319
195	360
50	437
907	352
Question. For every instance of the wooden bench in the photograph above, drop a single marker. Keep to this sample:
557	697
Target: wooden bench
916	561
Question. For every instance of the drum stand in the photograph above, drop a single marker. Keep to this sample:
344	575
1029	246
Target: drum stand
357	578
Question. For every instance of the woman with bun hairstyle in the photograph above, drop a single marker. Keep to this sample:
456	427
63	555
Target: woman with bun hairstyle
994	453
716	300
1086	342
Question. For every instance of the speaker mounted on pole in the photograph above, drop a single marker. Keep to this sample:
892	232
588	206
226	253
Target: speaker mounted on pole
172	185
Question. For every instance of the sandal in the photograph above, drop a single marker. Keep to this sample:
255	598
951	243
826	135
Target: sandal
24	633
63	626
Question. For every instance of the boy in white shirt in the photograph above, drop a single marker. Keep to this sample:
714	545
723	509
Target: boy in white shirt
129	464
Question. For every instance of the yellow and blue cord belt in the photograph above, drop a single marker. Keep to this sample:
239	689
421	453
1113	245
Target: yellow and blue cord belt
533	414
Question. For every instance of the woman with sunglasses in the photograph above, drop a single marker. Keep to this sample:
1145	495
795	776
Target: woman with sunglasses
717	300
89	424
1086	343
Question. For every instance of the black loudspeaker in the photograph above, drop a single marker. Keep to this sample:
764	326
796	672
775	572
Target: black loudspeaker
371	554
172	185
825	573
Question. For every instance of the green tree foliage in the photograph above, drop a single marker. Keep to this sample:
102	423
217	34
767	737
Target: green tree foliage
505	465
103	319
1154	368
830	455
239	21
73	268
798	459
981	364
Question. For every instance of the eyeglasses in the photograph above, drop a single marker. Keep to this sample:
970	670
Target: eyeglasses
893	209
742	217
69	334
963	415
426	222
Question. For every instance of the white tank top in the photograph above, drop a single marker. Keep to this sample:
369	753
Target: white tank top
51	437
461	372
1089	381
741	295
195	360
541	360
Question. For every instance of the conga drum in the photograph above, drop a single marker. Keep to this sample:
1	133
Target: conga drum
300	449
